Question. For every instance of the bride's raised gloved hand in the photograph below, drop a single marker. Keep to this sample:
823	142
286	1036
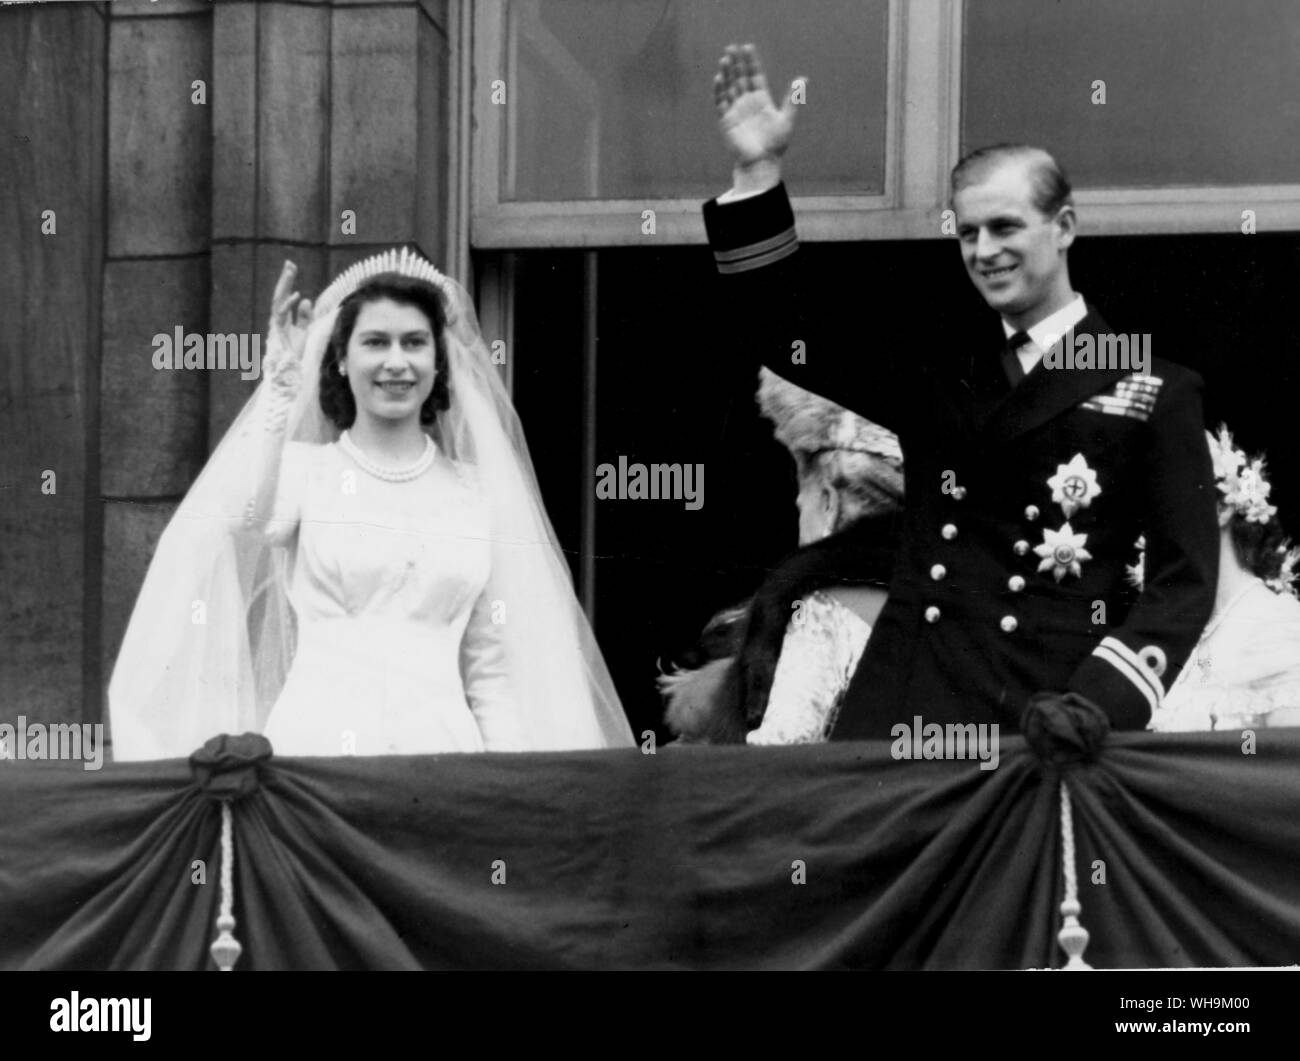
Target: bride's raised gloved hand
286	340
287	333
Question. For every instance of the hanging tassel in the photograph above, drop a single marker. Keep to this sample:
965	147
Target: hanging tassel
225	948
1073	937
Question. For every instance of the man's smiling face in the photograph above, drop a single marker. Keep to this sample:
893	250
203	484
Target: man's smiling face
1014	253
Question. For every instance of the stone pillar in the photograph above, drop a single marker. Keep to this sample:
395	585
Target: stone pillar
52	214
389	158
156	279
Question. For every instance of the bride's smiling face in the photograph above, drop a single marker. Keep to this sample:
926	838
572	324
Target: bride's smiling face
391	360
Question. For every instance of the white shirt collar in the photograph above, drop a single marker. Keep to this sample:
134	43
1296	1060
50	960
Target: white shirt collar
1048	330
1045	334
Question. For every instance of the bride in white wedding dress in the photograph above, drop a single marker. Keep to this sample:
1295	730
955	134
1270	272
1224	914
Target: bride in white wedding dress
372	523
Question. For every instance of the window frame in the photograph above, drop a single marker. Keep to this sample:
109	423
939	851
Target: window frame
499	225
922	139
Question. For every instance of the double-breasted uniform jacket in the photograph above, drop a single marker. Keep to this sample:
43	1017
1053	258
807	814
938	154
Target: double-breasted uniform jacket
1023	505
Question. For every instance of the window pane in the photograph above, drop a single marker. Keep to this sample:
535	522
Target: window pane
613	99
1198	92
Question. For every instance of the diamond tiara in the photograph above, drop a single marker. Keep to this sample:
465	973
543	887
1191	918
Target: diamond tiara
404	262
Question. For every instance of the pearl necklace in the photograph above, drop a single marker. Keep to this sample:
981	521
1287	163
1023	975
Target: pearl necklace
391	475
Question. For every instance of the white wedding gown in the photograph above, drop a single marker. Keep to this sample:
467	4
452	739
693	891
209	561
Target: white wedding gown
396	652
1244	672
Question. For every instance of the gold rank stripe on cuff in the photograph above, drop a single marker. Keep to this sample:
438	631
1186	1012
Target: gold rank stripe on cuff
756	255
1130	664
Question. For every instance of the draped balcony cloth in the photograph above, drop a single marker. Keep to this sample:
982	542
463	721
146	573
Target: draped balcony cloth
683	859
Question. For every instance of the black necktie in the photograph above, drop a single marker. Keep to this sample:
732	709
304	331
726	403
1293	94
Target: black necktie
1010	362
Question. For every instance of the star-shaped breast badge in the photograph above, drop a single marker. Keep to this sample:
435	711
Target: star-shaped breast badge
1074	485
1063	552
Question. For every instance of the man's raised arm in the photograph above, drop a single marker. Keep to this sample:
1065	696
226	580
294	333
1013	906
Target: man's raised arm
772	314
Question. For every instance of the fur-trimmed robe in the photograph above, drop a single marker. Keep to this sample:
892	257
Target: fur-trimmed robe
721	701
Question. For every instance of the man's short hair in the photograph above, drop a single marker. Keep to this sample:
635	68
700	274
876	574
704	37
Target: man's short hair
1051	186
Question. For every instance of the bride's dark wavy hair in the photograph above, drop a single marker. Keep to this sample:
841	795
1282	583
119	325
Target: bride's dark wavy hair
336	399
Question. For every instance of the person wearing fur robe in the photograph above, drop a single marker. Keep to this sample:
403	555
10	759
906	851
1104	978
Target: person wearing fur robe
779	664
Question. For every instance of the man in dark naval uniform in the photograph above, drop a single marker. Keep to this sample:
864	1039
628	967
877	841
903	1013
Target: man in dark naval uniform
1028	482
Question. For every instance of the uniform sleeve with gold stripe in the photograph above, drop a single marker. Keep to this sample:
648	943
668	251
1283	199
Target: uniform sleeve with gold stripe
774	314
1131	669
